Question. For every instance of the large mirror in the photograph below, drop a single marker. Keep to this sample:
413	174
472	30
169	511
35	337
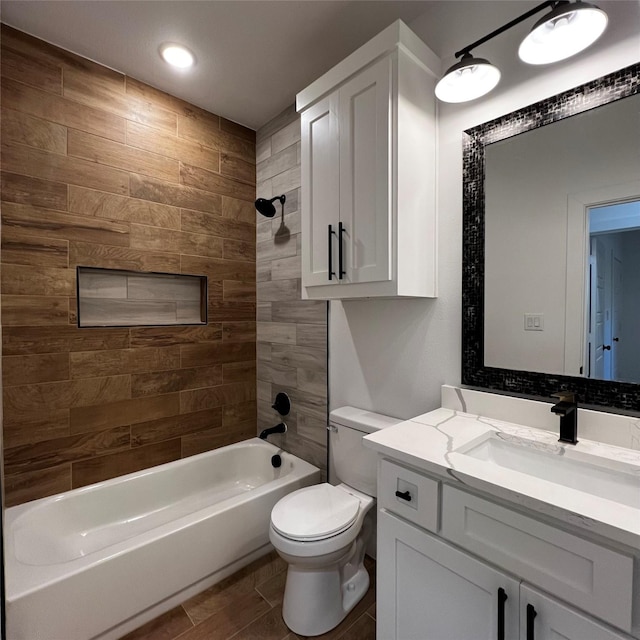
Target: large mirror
551	269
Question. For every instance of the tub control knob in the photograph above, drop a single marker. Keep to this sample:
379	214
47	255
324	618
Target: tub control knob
351	586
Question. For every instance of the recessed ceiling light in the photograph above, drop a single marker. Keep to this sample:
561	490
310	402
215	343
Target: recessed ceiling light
176	55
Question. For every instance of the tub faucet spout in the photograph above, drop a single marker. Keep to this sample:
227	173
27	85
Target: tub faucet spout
279	428
567	409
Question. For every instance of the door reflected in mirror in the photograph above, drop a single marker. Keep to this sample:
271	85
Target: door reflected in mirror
613	293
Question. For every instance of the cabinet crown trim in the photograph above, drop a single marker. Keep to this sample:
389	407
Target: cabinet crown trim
396	36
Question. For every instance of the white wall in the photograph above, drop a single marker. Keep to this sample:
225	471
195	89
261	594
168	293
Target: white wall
392	356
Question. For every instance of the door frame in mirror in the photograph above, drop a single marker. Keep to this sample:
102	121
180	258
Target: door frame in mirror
620	396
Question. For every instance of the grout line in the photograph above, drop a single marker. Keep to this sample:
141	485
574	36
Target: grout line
193	624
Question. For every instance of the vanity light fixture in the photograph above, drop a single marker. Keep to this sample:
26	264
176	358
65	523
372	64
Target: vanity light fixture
177	55
568	28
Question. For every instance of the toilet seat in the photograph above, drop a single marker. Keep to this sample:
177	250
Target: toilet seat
315	513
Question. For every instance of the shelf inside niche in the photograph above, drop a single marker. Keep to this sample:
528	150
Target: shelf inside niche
118	298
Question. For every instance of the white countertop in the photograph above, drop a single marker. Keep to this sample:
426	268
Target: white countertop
430	442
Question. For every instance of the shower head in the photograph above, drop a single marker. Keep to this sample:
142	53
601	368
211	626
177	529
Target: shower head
266	208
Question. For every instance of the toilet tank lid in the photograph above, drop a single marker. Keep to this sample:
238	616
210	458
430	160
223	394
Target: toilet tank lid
365	421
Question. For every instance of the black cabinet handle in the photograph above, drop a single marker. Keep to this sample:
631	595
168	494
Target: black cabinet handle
341	230
531	616
606	347
502	598
404	495
330	257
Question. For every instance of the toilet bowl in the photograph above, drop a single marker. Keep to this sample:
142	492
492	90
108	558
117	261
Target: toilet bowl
322	531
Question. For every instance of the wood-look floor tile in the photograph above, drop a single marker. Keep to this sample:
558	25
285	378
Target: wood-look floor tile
227	591
238	612
272	590
269	626
341	631
168	626
364	628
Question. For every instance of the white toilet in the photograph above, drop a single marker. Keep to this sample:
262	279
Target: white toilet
322	531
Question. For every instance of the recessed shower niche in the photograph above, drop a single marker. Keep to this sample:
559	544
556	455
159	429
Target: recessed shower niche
115	298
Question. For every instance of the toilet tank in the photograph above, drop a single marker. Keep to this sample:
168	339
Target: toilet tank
350	461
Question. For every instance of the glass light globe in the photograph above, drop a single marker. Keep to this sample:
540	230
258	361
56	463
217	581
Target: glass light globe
467	80
567	30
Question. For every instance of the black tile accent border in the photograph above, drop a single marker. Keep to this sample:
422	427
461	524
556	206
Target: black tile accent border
620	396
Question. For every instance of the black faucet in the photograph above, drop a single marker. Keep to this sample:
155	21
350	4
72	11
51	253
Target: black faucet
567	409
279	428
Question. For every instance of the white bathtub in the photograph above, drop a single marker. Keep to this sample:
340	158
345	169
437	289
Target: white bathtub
99	561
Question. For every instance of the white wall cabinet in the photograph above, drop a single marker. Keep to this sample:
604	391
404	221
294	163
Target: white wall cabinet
368	173
429	589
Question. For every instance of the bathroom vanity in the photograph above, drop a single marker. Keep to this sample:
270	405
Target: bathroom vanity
493	530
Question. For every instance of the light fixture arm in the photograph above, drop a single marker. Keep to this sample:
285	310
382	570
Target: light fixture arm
506	27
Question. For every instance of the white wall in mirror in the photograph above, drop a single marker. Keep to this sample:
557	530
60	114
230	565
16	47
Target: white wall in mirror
538	188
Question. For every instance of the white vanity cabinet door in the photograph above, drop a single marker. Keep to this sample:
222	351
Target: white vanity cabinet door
320	189
427	590
365	137
556	621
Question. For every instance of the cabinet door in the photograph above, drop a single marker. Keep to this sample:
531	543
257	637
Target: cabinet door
365	169
543	618
320	190
427	590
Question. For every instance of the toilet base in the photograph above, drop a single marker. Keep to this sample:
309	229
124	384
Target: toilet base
316	601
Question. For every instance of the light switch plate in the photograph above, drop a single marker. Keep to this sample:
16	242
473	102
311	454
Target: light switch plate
534	322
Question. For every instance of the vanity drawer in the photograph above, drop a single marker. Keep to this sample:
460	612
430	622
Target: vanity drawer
408	494
594	578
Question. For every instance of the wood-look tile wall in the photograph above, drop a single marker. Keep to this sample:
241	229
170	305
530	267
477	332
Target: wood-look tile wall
292	333
101	170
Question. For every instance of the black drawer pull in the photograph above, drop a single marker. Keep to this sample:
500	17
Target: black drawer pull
404	495
502	598
531	615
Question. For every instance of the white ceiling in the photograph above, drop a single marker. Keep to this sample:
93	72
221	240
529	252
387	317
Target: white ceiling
255	55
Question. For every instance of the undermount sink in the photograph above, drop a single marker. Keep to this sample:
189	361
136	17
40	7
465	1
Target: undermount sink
569	468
